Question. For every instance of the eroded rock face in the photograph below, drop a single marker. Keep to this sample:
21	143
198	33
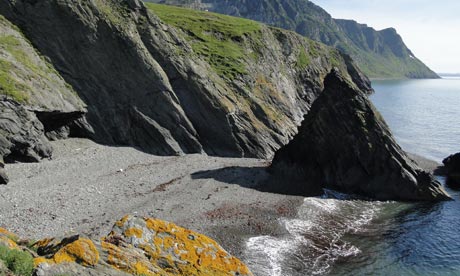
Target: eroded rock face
29	86
344	144
3	177
136	246
23	136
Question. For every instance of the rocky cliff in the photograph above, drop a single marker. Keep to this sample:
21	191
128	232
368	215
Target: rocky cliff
36	104
380	54
344	144
172	81
135	246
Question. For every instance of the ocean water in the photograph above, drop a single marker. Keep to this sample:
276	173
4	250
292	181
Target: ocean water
338	235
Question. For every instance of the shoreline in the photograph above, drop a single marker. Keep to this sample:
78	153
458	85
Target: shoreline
86	187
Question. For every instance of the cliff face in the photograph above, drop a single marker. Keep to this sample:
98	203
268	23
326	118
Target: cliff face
193	82
36	104
378	53
167	80
344	144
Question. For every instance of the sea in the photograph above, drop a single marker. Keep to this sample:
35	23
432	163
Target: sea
336	234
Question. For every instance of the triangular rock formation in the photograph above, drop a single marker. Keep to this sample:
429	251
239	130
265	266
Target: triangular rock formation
344	144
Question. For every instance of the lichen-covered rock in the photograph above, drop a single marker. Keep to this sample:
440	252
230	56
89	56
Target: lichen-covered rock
170	248
344	144
137	246
8	239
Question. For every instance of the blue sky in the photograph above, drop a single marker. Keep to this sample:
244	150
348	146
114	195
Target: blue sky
431	29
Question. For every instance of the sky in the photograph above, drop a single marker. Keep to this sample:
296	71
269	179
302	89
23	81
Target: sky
431	29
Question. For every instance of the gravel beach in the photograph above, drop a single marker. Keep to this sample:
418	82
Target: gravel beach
86	187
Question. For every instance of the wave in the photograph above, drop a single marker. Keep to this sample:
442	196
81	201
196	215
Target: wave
315	239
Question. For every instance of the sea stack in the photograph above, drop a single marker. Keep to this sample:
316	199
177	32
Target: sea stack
452	167
344	144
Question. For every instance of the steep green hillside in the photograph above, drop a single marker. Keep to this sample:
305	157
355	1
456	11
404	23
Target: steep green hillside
380	54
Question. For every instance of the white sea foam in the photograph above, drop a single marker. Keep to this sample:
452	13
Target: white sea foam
315	239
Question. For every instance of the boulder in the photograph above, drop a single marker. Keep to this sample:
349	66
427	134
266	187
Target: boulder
3	177
137	246
452	170
344	144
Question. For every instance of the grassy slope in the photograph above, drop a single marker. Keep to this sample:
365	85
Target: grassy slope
213	36
22	71
312	21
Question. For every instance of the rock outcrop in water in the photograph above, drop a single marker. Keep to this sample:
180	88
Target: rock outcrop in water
135	246
452	170
344	144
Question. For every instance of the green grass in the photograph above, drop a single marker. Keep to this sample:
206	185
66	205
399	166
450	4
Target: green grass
303	60
19	262
216	38
9	86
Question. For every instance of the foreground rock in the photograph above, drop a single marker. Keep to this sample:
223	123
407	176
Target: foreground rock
344	144
452	170
136	246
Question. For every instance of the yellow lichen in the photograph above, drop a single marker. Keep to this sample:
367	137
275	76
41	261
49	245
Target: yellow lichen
41	260
202	255
43	242
142	269
6	241
133	232
122	221
7	233
82	251
126	260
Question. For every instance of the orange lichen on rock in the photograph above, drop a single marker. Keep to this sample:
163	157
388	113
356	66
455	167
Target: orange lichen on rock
128	260
137	246
122	221
8	238
6	241
82	251
5	232
40	260
133	232
43	242
179	250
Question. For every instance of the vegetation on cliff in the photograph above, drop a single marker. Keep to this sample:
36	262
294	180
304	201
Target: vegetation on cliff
380	54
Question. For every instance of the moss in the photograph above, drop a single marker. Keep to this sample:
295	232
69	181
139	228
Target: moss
216	38
115	14
303	60
19	262
9	86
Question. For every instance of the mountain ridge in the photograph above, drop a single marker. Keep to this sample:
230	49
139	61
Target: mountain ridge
380	54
